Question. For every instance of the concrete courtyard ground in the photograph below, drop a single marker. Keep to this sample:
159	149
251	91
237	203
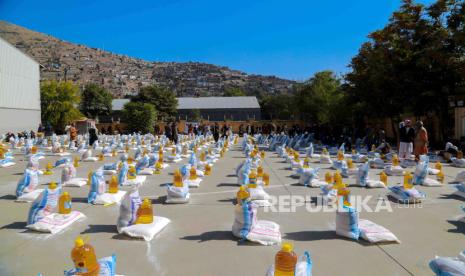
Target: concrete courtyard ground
198	241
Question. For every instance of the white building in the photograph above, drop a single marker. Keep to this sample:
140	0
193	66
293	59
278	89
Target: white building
19	90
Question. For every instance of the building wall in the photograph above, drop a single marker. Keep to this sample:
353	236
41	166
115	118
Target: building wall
233	114
182	124
19	90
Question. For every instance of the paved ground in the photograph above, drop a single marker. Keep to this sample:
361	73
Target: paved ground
199	239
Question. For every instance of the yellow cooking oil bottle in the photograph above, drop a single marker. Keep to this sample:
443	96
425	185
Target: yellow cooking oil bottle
242	194
160	155
84	258
89	178
113	185
344	193
208	169
48	169
340	155
260	171
193	173
350	163
132	172
328	178
383	178
76	162
395	160
296	157
64	204
440	176
203	156
408	181
145	212
252	179
177	178
266	179
285	261
158	167
338	178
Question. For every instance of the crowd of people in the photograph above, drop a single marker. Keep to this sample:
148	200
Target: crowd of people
413	138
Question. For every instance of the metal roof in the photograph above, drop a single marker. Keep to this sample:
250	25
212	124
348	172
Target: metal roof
203	103
217	102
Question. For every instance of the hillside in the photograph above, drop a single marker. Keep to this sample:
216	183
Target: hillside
123	75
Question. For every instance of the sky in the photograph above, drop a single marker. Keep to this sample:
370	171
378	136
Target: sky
291	39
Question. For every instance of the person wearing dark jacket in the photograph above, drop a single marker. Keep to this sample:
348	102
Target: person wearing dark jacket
168	131
216	132
406	136
92	136
48	130
174	132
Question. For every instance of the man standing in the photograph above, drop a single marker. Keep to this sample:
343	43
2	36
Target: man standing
216	132
224	130
407	134
73	133
92	136
174	132
421	140
168	131
48	130
40	129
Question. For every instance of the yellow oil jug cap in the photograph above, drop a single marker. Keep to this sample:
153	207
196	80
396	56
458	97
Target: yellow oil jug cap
78	242
287	247
52	185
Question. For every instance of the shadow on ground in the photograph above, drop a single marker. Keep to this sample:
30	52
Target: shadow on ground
211	236
227	185
159	200
460	227
100	228
8	197
79	199
18	225
231	200
311	235
452	196
125	237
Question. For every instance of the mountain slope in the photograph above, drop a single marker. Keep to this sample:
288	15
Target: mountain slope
123	75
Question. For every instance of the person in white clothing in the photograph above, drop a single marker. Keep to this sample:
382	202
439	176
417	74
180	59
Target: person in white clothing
407	134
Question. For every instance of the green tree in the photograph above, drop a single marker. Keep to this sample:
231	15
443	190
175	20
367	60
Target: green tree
58	102
162	99
95	101
277	107
234	92
319	98
195	115
139	117
414	64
